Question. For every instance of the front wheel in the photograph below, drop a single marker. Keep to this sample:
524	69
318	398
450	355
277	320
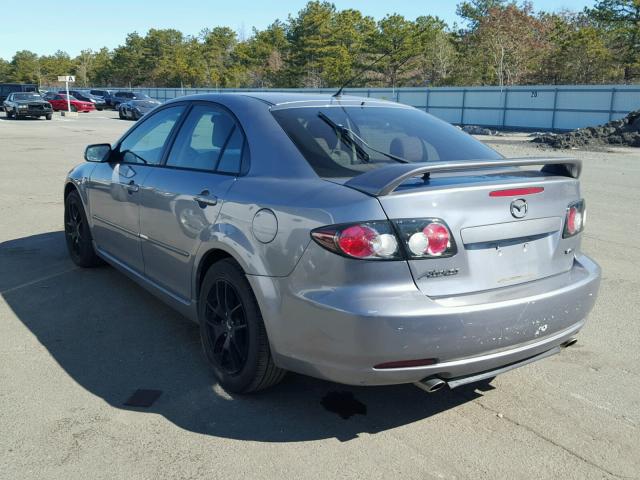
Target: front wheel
120	114
49	116
232	331
77	233
74	108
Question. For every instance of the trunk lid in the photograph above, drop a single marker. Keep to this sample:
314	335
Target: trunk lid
495	248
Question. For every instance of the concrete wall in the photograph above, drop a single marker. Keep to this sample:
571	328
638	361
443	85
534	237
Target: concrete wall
529	108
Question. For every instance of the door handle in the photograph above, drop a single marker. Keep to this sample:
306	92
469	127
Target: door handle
205	198
132	187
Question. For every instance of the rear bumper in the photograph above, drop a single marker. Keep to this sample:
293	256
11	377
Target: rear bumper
340	334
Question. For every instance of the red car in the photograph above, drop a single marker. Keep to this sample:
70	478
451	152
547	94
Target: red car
58	101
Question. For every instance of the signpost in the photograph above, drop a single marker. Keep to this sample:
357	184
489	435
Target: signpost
66	79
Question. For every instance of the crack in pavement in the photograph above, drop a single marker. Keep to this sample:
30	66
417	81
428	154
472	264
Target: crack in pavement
543	437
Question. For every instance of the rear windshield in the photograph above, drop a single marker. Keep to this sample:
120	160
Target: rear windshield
407	133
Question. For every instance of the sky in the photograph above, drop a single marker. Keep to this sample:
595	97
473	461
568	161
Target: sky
44	27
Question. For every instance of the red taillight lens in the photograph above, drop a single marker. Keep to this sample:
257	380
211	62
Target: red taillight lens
357	241
368	241
574	221
423	362
437	238
426	238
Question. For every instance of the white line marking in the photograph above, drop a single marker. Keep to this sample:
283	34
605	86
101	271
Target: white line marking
33	282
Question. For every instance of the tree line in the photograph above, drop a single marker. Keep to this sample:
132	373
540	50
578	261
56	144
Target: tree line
499	42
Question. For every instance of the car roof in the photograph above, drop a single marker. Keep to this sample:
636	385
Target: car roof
294	99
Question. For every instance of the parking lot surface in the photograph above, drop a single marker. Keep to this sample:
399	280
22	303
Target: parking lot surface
76	344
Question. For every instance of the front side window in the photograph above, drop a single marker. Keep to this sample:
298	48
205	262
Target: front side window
145	144
345	141
210	140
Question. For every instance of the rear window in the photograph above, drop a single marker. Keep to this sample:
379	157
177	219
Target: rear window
402	132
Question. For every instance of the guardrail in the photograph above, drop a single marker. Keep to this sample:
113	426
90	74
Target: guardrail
540	107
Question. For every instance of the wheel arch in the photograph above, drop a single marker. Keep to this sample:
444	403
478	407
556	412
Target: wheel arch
210	257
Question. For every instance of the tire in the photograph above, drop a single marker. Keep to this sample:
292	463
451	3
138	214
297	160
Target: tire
78	234
9	113
49	116
120	114
74	108
232	331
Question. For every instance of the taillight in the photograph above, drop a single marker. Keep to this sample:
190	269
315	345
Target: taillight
575	219
379	240
368	240
426	238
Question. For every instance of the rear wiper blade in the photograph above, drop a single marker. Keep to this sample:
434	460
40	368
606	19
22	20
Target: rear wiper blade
349	135
346	136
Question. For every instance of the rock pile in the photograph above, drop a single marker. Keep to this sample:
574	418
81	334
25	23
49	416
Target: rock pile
623	132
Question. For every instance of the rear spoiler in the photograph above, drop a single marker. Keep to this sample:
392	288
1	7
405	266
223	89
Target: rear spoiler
385	180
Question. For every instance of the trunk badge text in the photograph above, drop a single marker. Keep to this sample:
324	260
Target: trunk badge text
442	273
519	208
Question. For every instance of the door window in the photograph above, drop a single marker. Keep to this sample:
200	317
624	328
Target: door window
145	144
210	139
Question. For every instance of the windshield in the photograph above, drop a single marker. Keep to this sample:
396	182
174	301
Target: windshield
387	135
26	96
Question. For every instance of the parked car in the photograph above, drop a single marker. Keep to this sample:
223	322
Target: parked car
27	104
59	102
136	109
100	93
7	88
105	95
99	103
119	97
351	239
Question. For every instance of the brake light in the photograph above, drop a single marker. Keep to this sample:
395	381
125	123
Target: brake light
516	192
575	219
368	241
379	240
426	238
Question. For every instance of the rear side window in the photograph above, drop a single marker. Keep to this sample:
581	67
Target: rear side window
209	139
145	144
402	132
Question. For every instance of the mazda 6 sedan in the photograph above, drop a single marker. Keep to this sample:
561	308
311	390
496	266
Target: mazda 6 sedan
350	239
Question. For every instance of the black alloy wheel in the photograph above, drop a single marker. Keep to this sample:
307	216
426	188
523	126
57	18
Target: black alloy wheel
233	335
78	234
226	327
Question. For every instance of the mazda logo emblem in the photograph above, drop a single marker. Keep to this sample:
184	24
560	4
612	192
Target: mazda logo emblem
519	208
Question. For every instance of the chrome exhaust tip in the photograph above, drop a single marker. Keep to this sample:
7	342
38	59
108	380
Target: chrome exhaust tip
431	385
570	342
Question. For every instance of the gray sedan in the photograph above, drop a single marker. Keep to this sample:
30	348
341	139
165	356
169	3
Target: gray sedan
136	109
351	239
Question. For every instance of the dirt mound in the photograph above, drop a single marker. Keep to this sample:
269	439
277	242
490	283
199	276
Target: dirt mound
625	132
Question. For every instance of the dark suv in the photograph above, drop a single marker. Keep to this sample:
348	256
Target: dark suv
7	88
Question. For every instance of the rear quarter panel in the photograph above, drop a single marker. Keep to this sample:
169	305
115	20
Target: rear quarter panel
299	207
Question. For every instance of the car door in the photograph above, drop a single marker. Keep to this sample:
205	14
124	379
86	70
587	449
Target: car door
57	102
181	201
114	187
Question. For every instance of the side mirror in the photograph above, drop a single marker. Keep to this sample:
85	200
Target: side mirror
99	152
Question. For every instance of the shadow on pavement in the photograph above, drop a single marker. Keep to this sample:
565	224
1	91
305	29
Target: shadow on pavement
113	338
